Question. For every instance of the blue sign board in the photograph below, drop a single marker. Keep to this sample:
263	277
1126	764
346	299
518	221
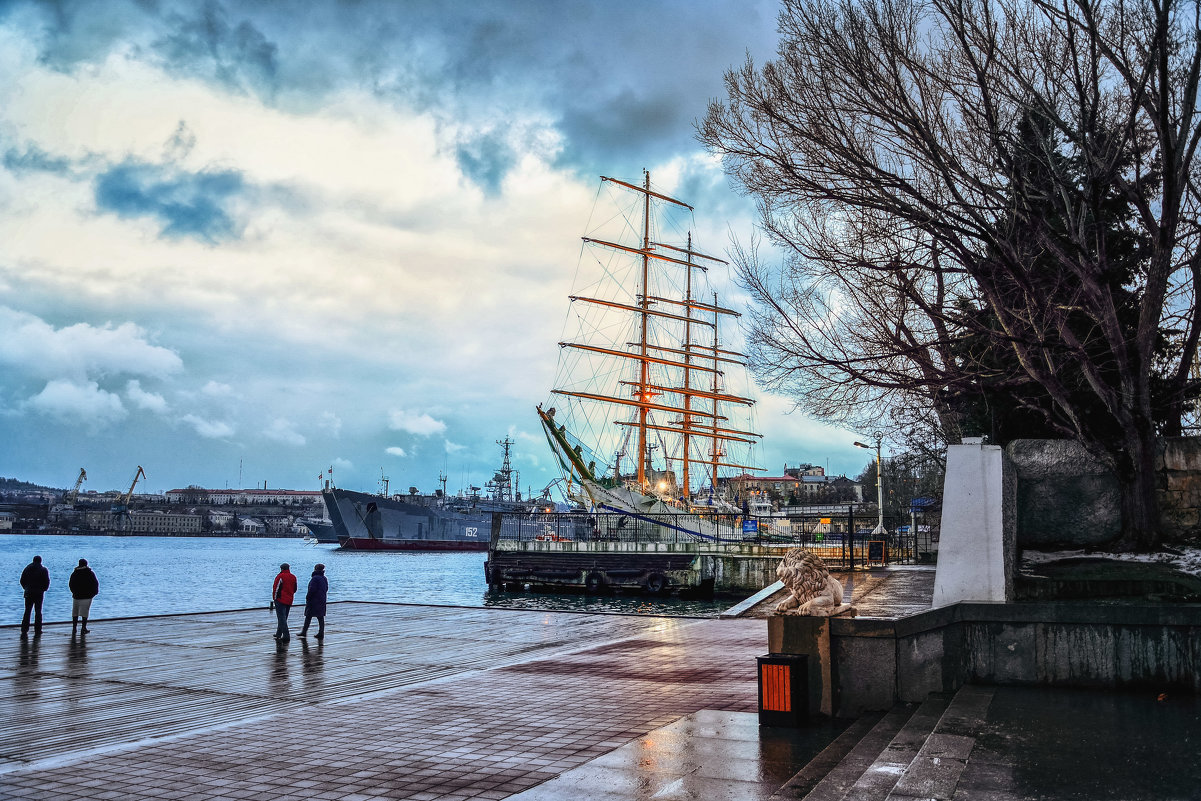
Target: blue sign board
750	526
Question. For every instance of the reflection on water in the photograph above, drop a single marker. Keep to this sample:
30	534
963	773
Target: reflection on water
613	604
173	575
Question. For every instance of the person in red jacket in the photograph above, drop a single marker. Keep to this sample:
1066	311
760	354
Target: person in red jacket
283	591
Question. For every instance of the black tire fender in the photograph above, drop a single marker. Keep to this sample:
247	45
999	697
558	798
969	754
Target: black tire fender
656	583
595	581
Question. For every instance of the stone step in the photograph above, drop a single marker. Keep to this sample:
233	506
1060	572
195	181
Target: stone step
907	754
821	765
857	759
935	772
879	779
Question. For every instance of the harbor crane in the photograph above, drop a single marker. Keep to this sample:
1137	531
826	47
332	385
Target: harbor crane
122	504
73	494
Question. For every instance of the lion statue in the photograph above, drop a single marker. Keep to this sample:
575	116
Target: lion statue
812	590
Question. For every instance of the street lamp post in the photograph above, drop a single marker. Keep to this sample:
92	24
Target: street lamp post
879	483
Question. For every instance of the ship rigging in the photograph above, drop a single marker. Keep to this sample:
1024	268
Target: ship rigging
647	349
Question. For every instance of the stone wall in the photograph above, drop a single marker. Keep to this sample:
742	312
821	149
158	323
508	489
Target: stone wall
863	664
1180	486
1066	498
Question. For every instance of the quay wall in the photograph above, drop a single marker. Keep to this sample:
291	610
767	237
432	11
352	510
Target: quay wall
864	664
734	569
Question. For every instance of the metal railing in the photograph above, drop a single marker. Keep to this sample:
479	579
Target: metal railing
842	541
613	527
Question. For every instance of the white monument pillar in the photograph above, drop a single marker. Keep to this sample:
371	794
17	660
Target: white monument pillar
977	545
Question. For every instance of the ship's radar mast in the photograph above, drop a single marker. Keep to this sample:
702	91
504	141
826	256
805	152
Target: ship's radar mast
502	484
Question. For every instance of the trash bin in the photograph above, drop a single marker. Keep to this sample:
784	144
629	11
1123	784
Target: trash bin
783	690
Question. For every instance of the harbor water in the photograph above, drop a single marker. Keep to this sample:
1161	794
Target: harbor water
172	575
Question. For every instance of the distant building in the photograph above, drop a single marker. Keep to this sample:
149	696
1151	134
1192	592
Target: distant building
244	497
804	470
165	523
6	521
799	485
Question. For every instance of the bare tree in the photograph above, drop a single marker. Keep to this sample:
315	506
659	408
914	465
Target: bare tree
978	193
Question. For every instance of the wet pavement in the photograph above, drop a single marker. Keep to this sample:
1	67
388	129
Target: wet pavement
427	702
405	702
1041	744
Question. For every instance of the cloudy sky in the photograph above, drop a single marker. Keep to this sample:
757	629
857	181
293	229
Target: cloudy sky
245	242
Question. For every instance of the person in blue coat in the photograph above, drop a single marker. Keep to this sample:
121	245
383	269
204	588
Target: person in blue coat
314	602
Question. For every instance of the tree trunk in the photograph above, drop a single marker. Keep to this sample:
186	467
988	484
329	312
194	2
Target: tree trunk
1137	488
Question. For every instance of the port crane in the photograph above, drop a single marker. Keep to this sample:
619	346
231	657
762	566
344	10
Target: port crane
122	504
71	496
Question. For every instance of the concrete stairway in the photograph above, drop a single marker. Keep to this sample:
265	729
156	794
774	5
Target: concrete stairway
909	753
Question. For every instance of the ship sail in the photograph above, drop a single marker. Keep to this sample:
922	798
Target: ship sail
645	413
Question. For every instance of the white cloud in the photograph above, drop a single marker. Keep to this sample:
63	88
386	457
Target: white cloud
418	423
331	423
282	430
209	429
454	447
216	389
80	351
395	451
149	401
84	403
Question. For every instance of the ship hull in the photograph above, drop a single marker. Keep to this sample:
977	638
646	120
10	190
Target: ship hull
320	530
366	522
368	544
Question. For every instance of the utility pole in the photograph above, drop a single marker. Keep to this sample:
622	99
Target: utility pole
879	482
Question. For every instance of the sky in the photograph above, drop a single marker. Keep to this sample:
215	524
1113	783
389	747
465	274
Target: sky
245	243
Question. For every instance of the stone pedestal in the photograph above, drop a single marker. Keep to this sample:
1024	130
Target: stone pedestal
789	634
978	543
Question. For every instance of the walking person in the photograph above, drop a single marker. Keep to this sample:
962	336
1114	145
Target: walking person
35	580
84	587
283	592
314	601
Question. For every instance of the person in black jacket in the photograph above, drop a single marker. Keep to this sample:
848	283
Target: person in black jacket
35	580
84	587
314	602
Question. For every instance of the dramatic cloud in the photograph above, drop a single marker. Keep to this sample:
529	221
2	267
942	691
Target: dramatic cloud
84	404
32	345
209	429
333	215
140	398
204	43
34	159
186	204
417	423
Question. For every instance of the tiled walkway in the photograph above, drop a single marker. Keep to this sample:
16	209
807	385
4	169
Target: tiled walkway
405	702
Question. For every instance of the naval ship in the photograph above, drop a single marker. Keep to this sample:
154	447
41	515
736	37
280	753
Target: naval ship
417	522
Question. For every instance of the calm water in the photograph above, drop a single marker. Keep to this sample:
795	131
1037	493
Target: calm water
169	575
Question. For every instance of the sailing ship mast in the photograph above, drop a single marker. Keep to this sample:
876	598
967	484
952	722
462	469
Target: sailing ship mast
699	403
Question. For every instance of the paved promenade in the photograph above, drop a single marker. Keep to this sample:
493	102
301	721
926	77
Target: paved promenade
412	702
428	702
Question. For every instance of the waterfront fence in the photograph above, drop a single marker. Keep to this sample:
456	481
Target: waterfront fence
843	540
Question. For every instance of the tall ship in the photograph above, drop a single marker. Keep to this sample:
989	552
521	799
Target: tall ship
650	409
424	522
